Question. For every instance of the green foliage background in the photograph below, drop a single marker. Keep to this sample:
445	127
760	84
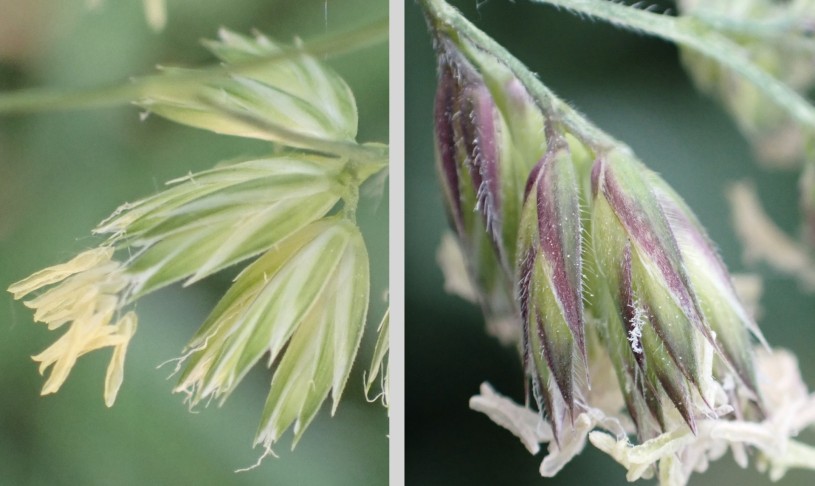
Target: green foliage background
634	88
62	173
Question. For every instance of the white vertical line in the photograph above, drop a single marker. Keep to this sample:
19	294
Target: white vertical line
397	241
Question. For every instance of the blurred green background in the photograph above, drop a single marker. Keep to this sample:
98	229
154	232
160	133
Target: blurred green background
633	87
61	173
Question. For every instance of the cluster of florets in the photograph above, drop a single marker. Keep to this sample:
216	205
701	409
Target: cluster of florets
596	262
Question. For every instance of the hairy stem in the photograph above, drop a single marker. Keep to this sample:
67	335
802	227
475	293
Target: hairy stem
696	34
446	20
40	100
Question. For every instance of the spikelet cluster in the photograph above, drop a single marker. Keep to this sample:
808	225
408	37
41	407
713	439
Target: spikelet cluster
301	304
603	270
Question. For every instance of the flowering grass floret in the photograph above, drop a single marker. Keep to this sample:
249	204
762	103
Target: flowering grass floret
611	274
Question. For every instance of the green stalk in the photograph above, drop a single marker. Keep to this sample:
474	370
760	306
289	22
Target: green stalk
41	100
698	35
442	18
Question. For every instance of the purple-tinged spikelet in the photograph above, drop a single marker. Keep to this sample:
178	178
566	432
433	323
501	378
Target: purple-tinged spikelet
608	271
549	276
